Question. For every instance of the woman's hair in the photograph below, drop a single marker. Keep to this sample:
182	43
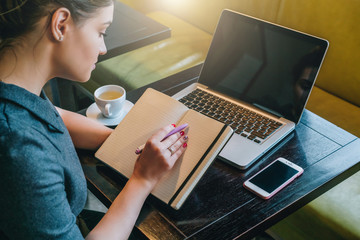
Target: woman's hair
18	17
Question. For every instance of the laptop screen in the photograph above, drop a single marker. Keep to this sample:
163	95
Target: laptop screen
268	66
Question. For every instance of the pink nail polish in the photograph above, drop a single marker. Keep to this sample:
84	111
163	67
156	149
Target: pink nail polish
184	145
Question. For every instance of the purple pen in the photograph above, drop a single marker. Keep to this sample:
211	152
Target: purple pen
175	130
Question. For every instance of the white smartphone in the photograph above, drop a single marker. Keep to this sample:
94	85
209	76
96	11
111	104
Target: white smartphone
273	178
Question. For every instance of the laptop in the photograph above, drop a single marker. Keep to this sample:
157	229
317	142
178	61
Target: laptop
256	78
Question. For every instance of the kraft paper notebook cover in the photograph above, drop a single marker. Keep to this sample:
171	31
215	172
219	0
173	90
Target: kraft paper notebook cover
150	113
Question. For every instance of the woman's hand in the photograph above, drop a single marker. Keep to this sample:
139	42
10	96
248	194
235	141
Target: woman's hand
158	157
153	163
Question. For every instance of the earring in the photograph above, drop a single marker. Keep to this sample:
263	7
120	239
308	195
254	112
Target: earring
61	38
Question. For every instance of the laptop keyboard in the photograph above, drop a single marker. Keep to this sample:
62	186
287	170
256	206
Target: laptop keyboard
243	121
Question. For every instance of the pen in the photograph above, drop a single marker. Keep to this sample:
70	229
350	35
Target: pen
175	130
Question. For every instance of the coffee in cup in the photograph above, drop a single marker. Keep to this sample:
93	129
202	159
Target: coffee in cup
110	95
110	99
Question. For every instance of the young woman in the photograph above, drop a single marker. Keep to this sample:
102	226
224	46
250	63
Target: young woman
42	186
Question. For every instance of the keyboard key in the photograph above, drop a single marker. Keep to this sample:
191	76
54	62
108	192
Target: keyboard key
218	112
251	137
270	130
275	125
249	130
224	114
238	131
188	104
241	128
259	135
222	119
205	111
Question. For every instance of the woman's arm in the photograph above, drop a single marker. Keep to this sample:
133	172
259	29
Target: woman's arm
85	133
153	163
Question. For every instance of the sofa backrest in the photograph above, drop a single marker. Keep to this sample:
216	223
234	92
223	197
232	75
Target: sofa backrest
336	21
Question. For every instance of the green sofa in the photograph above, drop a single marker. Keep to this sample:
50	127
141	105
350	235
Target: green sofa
336	95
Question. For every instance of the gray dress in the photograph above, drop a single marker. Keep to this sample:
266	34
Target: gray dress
42	185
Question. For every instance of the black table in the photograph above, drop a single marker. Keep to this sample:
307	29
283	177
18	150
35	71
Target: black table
219	207
131	30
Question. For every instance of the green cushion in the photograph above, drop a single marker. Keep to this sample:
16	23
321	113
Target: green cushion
336	21
332	216
335	110
187	47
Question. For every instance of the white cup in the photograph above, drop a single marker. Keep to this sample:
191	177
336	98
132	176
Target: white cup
110	99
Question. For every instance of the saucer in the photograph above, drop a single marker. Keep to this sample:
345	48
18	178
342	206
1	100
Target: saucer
94	112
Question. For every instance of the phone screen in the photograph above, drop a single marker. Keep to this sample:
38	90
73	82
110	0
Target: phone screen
273	176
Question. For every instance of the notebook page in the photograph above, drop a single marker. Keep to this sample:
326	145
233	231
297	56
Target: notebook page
201	131
150	113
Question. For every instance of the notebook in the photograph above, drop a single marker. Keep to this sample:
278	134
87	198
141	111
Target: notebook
150	113
256	78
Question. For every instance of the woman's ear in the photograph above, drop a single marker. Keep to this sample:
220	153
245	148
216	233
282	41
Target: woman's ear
60	23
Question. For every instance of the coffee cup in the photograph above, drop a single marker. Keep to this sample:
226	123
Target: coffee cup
110	99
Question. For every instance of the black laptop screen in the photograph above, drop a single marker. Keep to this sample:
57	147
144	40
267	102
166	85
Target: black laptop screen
268	66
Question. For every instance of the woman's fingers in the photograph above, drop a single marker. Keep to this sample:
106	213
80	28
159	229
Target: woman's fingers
177	149
176	145
172	139
159	136
158	157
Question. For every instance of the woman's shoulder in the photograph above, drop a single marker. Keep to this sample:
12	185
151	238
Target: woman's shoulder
14	115
17	124
23	137
20	123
